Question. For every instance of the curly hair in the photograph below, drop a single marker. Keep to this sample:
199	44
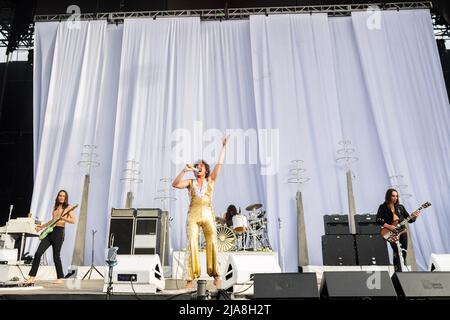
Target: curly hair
231	212
206	167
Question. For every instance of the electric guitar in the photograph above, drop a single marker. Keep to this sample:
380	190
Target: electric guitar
49	228
393	236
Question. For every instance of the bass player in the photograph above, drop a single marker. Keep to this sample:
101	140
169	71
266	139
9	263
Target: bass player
64	212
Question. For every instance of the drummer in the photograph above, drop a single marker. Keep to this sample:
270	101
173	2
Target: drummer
228	216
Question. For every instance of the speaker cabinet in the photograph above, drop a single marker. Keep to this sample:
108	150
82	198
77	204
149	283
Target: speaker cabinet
422	285
148	231
338	250
121	230
336	224
439	262
140	231
136	274
241	266
356	285
371	250
366	224
285	286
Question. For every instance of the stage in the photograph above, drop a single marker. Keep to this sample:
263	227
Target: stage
92	289
75	289
312	142
315	283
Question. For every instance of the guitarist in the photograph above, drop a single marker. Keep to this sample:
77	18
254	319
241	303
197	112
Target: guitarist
389	212
55	238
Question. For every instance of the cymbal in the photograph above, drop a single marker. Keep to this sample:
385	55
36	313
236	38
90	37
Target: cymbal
254	207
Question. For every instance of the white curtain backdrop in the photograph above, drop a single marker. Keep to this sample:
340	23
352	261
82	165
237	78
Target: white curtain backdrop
163	92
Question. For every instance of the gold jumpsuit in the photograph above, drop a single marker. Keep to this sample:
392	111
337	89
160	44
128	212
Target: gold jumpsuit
201	215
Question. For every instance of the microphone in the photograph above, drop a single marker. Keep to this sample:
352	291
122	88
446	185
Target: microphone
193	168
111	240
201	290
10	211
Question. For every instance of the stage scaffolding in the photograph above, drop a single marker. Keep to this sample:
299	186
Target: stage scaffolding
442	30
237	13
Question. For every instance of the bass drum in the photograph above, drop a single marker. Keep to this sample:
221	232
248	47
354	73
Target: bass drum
240	223
226	239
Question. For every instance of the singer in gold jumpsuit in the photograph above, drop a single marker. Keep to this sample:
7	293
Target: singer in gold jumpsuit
200	215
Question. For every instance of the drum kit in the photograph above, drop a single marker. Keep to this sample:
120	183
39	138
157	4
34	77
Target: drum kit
248	232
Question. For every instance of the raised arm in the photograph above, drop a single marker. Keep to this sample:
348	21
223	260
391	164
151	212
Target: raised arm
219	164
179	182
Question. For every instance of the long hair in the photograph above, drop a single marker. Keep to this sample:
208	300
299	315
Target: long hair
388	196
231	211
206	167
66	201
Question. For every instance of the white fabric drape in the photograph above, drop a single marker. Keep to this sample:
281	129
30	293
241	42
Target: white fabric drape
409	102
44	40
78	95
158	93
304	82
228	106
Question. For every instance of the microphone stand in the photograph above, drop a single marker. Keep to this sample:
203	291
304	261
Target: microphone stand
92	260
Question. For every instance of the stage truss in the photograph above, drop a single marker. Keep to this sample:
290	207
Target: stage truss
441	30
237	13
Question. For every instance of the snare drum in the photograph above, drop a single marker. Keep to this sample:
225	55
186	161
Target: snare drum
240	223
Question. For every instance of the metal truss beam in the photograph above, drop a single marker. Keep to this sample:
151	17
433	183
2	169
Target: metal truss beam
237	13
224	14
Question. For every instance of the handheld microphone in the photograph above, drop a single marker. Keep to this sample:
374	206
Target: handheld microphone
193	168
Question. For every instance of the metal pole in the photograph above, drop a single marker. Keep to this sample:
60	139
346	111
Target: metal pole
129	201
164	235
351	203
411	257
303	257
5	74
92	252
78	252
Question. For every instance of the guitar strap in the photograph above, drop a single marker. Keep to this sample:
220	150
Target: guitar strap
64	212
